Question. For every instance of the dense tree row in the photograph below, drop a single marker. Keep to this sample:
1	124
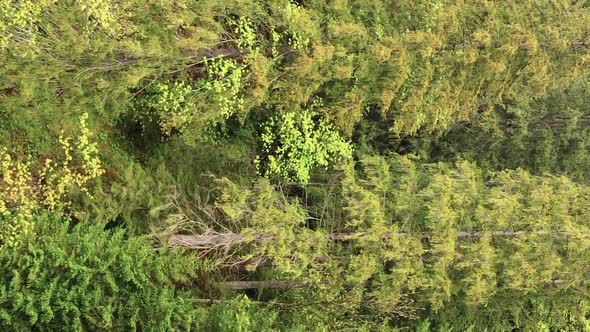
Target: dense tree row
294	165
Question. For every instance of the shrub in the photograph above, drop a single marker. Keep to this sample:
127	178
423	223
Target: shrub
293	143
87	278
26	188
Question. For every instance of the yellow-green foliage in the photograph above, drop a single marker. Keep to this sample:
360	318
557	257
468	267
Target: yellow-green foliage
18	18
298	22
100	12
41	27
191	107
247	35
26	188
264	211
479	275
17	191
167	103
293	144
225	85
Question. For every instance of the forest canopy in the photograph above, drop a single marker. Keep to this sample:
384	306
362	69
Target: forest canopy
281	165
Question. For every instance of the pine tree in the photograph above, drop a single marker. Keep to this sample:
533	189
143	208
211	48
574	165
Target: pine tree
549	135
413	237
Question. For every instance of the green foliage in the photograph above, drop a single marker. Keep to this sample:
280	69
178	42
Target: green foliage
130	198
167	103
240	314
478	275
27	189
549	135
194	108
18	21
85	277
376	257
182	93
263	211
294	143
225	84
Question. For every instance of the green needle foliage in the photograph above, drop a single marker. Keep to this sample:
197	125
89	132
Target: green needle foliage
388	165
417	241
84	277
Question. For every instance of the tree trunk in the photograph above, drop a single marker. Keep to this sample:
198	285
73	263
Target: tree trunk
230	239
216	240
238	285
277	284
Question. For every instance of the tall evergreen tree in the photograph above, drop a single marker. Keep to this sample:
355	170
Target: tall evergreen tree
413	237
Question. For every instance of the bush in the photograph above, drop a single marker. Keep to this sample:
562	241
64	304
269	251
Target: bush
87	278
293	143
